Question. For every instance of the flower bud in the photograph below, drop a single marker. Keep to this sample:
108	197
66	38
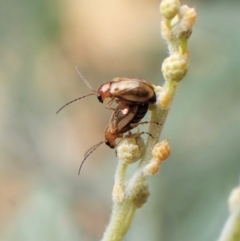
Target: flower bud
169	8
130	149
175	67
160	152
183	27
189	16
142	196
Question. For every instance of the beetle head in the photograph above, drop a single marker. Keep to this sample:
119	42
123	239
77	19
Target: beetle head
110	137
111	144
104	92
100	98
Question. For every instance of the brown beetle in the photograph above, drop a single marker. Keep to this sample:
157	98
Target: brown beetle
123	119
124	90
127	90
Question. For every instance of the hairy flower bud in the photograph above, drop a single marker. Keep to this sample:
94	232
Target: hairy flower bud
130	149
184	22
188	15
175	67
161	152
142	196
169	8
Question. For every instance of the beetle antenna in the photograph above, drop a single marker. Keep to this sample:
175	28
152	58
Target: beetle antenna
74	101
88	153
84	80
91	148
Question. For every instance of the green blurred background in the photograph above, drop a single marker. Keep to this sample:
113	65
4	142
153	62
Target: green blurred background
41	42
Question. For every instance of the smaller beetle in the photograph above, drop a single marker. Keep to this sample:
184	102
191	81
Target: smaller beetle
124	90
123	119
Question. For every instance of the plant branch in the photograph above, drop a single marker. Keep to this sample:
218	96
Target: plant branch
128	195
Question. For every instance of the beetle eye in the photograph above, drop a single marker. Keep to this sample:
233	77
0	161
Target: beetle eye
99	98
108	144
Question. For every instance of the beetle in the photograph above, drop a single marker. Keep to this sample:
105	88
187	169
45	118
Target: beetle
127	90
123	119
124	90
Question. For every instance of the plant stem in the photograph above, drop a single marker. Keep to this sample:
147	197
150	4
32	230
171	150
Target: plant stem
122	215
127	196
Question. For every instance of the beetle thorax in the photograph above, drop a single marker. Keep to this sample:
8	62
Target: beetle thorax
104	91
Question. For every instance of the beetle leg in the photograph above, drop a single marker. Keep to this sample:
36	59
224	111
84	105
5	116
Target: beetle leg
109	108
109	104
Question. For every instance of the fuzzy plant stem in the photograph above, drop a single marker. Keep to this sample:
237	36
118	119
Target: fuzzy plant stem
123	212
128	195
120	221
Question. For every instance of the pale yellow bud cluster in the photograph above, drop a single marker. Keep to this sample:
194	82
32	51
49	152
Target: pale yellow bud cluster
169	8
161	150
130	149
160	153
234	200
142	196
177	20
188	16
175	67
184	22
176	28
